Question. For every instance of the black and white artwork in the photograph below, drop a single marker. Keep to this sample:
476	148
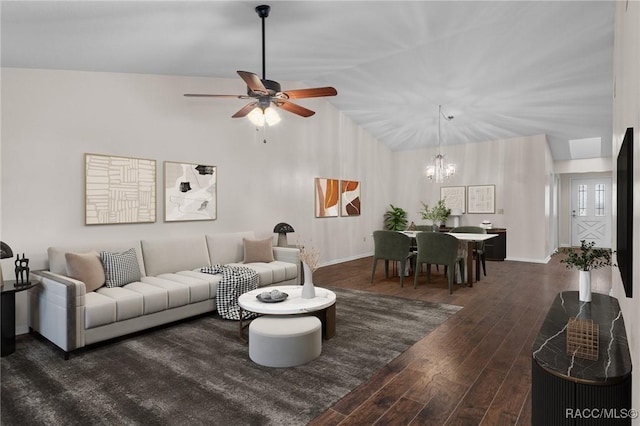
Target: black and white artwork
190	192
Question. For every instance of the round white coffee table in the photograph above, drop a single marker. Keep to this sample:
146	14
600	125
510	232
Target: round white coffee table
322	306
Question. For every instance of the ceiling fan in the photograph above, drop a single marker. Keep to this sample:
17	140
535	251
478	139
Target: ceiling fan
268	92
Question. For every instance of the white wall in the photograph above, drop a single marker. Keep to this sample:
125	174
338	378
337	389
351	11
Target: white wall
626	113
521	170
50	119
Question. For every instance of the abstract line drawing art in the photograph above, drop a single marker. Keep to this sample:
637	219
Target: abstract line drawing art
349	198
189	192
119	190
454	198
481	199
327	197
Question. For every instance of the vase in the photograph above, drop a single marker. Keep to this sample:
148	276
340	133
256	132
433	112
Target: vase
436	226
308	290
585	286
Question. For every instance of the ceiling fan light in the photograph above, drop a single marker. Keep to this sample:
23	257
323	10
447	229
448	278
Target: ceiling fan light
271	116
256	116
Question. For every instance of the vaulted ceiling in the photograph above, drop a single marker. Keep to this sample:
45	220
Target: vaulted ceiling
502	68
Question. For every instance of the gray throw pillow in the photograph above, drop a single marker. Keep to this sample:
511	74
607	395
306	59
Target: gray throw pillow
120	268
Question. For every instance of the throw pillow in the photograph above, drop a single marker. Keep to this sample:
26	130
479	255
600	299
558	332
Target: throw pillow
120	268
258	250
86	267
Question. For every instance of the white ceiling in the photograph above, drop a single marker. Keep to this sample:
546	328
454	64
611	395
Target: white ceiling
503	68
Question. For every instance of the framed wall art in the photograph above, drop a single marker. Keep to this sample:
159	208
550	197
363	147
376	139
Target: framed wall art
119	190
481	199
349	198
327	197
190	192
454	198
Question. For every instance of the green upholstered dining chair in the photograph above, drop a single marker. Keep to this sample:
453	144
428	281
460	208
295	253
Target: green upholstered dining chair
478	252
436	248
391	245
424	228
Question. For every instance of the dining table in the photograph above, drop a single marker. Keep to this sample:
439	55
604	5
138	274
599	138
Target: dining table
471	240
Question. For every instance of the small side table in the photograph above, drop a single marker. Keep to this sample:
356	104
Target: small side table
8	320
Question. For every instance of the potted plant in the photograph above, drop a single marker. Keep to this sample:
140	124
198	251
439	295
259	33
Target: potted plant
395	219
437	214
585	259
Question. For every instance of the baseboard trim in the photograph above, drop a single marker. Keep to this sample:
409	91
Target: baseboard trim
346	259
523	259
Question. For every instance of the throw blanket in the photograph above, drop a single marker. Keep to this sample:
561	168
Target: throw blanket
235	281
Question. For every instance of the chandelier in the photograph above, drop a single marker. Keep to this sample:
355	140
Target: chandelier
439	170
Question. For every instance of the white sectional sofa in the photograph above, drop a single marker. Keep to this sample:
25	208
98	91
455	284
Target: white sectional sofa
169	287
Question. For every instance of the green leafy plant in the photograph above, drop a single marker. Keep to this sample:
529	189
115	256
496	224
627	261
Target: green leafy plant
436	214
586	258
395	219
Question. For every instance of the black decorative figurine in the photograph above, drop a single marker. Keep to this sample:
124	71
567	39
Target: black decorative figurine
22	270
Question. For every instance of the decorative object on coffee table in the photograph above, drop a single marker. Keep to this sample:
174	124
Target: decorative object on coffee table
586	259
310	258
282	229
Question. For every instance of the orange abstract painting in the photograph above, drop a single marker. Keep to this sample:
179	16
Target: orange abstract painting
350	198
327	197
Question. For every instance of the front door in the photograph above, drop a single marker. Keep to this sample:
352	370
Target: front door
591	211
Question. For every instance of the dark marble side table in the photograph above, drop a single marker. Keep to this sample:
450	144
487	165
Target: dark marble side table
8	319
567	389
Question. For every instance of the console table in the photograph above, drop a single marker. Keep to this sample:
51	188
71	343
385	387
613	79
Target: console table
566	388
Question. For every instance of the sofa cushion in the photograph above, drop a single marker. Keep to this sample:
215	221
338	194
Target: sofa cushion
212	279
154	298
258	250
174	254
120	268
129	304
86	267
177	293
98	310
227	248
198	289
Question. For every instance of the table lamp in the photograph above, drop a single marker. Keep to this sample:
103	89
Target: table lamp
281	229
5	253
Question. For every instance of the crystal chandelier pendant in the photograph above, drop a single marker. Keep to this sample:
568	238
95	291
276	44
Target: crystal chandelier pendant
438	171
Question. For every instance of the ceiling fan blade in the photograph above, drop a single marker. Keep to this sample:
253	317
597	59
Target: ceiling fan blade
310	93
294	108
253	82
245	110
203	95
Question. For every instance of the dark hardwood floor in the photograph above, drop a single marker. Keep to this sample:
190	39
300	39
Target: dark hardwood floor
476	367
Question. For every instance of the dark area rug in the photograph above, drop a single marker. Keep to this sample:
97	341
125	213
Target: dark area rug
198	372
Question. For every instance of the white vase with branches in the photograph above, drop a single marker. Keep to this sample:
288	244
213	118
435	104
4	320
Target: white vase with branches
310	258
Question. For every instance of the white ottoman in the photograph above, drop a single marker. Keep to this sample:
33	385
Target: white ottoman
281	341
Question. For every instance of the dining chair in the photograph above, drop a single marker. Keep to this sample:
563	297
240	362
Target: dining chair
478	252
436	248
391	245
424	228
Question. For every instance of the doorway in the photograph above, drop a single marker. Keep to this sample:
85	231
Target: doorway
591	211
